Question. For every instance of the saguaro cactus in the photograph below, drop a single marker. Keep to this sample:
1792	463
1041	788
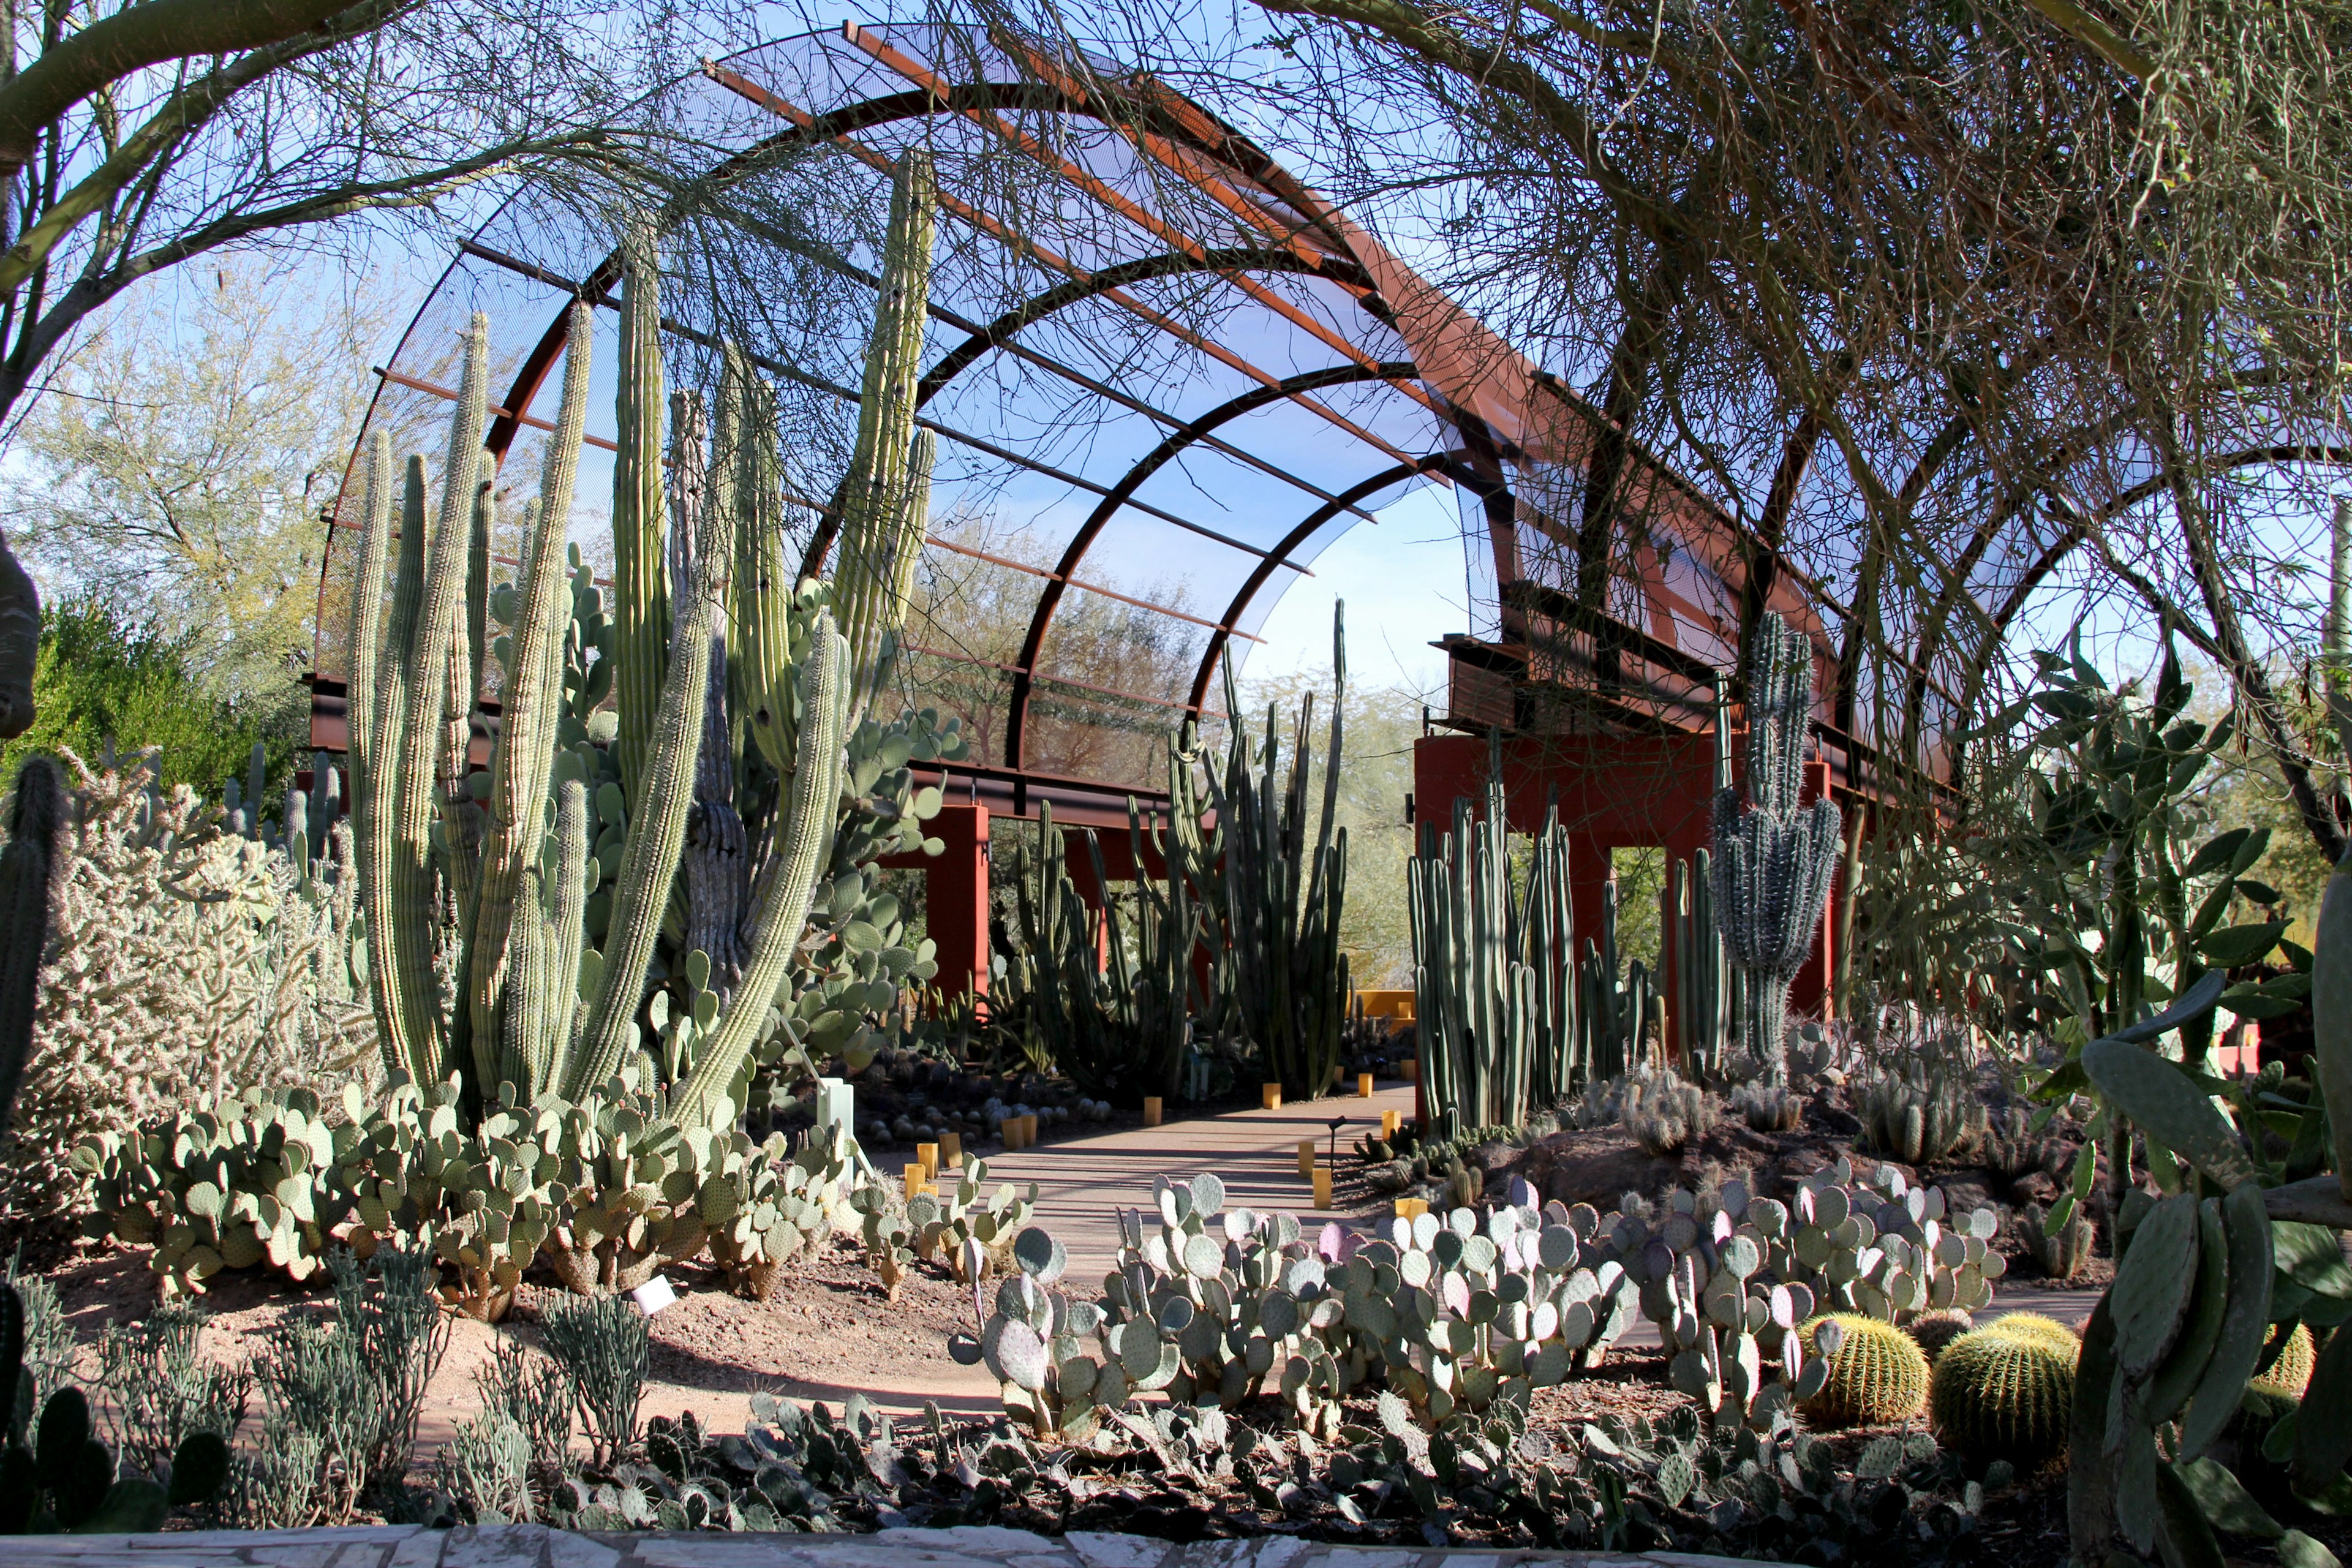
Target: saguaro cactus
1773	859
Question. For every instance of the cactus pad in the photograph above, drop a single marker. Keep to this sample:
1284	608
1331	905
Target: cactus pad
1877	1373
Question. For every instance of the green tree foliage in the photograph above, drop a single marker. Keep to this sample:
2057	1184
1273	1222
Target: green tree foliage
185	459
105	678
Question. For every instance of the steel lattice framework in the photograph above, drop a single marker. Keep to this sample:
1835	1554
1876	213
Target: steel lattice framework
1154	412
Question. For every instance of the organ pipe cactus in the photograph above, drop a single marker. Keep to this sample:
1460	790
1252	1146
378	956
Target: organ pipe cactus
1284	879
1773	860
1496	981
555	942
1706	987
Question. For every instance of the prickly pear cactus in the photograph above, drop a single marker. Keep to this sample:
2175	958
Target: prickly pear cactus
763	1209
968	1212
885	1225
2290	1369
230	1186
1887	1250
478	1197
1699	1261
630	1175
1042	1347
1996	1395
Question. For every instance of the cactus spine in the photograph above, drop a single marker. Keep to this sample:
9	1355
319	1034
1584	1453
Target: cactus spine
1773	861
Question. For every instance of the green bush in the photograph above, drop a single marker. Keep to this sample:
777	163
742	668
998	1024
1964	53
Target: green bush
103	677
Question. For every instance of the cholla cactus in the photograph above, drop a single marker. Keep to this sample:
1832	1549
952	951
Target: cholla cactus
1773	861
1663	1112
188	963
1917	1114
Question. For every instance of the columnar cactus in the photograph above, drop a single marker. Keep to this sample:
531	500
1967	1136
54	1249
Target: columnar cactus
1705	988
552	950
1773	860
1503	1027
1284	874
37	816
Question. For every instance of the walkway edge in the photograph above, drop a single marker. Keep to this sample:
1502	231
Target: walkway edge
967	1546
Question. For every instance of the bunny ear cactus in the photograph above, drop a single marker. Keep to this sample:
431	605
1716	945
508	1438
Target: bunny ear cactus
231	1186
1773	861
763	1209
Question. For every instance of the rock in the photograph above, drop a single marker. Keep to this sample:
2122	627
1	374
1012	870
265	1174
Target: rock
2036	1187
1965	1191
1495	1156
1391	1176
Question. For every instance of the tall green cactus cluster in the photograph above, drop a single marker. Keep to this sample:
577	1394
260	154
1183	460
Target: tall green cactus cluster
1111	992
1706	987
1494	976
1620	1008
1773	859
1282	870
543	888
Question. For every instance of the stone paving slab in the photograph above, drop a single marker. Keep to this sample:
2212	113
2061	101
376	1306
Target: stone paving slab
969	1546
1083	1183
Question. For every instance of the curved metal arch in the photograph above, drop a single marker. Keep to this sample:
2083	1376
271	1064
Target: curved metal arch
1279	555
1168	264
1050	599
1030	311
2077	530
